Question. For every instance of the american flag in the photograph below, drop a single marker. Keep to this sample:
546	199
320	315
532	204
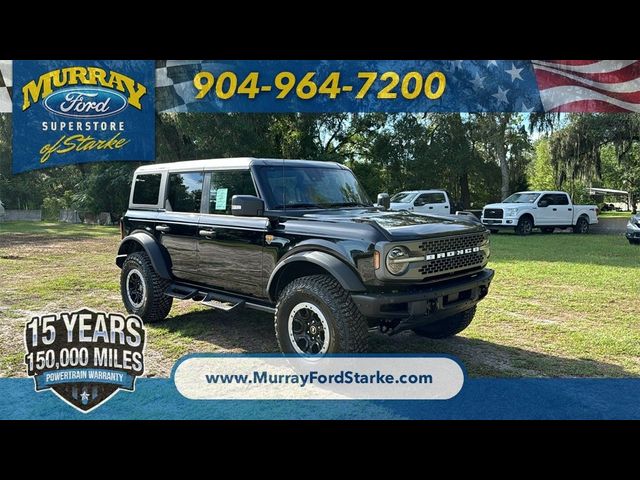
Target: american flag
588	85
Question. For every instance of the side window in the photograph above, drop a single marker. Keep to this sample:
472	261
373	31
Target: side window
549	198
147	189
427	198
561	199
437	198
421	200
185	192
224	185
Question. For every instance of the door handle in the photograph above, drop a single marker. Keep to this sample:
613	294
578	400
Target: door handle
206	233
430	208
570	209
163	228
555	209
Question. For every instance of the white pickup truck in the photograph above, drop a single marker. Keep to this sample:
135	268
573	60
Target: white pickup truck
524	211
423	201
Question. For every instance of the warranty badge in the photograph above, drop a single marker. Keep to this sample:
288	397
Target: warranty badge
85	357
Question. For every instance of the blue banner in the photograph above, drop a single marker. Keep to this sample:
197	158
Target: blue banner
76	111
84	375
480	399
347	86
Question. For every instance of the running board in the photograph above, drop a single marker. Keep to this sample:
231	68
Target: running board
181	292
216	300
221	302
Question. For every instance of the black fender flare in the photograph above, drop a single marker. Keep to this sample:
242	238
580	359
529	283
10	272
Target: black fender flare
342	272
151	248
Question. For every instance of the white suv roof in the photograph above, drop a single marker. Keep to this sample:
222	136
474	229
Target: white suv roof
229	163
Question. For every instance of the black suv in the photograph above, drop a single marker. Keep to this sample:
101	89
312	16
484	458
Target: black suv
299	239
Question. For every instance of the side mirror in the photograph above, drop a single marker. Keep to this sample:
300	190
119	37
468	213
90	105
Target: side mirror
247	206
384	201
543	203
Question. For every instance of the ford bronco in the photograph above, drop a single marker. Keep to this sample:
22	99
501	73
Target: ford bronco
301	240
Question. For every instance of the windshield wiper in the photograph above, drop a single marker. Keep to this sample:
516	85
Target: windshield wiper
347	204
297	205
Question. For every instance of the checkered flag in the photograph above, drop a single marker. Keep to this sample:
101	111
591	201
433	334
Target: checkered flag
5	86
175	91
174	84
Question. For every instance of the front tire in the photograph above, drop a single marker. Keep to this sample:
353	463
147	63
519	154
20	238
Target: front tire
525	226
315	316
581	226
142	289
447	327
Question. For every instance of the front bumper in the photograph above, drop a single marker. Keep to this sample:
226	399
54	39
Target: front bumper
420	306
499	222
633	233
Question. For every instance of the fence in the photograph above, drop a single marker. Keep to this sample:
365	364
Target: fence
74	216
21	215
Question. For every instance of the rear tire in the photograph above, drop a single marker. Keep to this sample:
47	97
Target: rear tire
447	327
142	289
525	226
581	226
547	229
315	316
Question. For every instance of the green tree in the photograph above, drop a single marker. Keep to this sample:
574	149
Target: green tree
540	172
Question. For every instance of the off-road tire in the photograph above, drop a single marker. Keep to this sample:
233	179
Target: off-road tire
348	330
581	226
447	327
155	305
547	229
525	226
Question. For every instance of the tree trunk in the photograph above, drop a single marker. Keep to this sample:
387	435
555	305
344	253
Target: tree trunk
504	170
465	196
501	151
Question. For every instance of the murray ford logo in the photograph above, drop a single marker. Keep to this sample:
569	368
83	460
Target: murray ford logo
87	102
452	253
84	356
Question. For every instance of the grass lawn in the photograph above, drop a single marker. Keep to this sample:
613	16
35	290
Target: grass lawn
614	214
560	305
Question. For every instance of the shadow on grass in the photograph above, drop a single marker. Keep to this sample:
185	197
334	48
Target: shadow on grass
252	332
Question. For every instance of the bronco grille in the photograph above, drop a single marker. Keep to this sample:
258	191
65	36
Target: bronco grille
462	252
453	243
493	213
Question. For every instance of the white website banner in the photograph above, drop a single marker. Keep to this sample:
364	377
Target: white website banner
221	377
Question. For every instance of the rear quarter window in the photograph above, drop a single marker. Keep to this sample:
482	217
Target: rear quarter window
146	189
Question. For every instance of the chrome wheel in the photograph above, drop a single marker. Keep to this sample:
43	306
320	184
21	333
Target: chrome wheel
308	330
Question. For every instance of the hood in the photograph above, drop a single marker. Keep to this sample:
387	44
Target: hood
402	225
509	205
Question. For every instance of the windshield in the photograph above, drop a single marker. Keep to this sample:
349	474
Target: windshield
526	197
403	197
310	187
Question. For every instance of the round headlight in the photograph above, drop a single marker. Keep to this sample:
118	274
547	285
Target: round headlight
395	260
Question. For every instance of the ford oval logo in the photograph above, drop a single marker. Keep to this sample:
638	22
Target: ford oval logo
85	102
